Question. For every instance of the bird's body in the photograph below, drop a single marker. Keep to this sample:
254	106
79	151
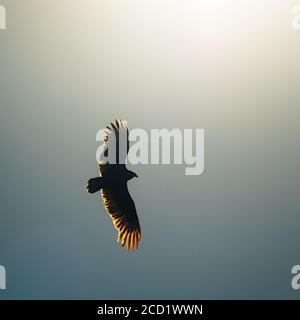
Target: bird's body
114	191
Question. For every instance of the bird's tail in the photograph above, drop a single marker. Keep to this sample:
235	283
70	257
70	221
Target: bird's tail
94	185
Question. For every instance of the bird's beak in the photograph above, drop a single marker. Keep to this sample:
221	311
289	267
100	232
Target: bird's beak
136	176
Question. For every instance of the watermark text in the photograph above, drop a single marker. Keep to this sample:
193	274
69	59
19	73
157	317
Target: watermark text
160	146
2	278
296	17
2	18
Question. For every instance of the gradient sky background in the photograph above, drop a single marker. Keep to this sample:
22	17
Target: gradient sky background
67	67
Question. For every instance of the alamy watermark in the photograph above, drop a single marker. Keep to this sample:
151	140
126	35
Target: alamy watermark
2	278
160	146
296	278
296	17
2	18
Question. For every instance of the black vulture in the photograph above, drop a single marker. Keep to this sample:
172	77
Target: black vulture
113	186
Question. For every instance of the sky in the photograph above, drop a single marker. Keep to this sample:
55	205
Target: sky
229	67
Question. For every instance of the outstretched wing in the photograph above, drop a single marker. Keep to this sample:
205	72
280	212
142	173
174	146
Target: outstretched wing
116	147
121	208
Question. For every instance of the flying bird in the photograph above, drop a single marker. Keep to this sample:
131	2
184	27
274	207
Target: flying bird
112	184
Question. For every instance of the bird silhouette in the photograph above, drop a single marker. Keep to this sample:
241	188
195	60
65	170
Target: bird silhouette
113	185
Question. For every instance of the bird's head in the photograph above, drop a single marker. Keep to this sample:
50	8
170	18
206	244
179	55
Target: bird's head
131	175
